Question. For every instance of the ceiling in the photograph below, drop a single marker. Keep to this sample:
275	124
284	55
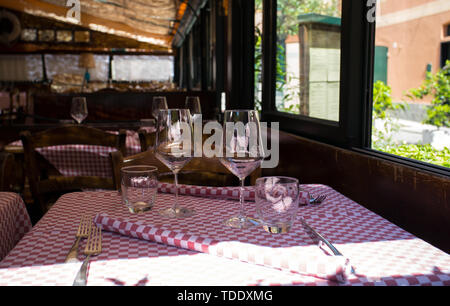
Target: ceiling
155	22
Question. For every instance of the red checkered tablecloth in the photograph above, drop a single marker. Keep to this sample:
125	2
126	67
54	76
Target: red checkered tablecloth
14	221
381	252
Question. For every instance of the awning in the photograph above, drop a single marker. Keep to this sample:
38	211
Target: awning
152	21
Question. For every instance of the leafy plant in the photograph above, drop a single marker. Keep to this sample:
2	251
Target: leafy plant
382	100
437	85
425	153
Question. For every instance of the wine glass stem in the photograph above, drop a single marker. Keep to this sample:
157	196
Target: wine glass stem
241	199
175	206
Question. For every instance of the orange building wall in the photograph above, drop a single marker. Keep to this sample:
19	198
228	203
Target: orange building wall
412	45
392	6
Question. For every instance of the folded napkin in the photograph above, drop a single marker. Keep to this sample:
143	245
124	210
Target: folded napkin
315	263
220	192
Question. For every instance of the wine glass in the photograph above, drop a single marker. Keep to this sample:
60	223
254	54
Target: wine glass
193	105
159	103
78	109
173	147
242	153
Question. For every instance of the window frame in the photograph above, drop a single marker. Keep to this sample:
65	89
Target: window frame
354	129
348	131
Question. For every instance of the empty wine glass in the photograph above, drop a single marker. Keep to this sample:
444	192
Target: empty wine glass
242	153
193	105
78	109
159	103
173	147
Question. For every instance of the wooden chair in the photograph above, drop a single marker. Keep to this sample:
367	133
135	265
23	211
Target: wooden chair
147	140
47	184
6	171
200	171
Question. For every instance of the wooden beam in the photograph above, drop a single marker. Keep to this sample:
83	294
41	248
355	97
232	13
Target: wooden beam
44	9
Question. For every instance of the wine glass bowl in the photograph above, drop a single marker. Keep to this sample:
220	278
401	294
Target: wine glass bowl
78	109
242	153
173	147
159	103
193	105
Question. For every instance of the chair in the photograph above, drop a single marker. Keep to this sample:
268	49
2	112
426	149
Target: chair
6	171
146	139
200	171
47	184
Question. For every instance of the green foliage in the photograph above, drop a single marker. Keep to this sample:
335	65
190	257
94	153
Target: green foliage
425	153
382	100
438	86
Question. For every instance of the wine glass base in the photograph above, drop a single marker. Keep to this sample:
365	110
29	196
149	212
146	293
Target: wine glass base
239	222
179	212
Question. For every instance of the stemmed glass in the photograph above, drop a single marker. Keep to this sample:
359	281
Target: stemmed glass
193	105
78	109
159	103
242	153
173	147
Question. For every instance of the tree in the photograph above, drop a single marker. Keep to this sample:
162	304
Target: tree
437	85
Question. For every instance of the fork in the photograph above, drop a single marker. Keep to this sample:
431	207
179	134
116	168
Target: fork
93	247
317	200
83	232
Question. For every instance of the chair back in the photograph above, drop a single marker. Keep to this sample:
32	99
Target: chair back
200	171
6	171
46	182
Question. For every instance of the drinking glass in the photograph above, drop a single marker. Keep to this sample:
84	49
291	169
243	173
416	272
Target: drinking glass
193	105
173	147
242	152
139	185
159	103
78	109
277	202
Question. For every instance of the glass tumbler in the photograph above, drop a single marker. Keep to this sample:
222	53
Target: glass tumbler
277	203
139	186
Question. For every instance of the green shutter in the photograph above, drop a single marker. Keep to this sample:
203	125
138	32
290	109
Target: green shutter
380	65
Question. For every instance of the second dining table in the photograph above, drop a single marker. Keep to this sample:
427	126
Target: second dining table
148	249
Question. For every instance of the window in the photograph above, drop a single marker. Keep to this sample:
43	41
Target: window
59	71
142	68
411	105
309	62
21	68
382	99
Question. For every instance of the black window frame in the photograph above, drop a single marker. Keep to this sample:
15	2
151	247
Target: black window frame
354	129
348	131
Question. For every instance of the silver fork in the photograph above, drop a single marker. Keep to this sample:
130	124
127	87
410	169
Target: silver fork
317	200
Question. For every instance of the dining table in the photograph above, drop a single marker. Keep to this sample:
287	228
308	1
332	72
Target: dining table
149	249
14	221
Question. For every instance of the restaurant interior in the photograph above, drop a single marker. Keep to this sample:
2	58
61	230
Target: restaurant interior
80	84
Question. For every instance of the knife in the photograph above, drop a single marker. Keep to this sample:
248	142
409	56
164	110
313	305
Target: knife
316	236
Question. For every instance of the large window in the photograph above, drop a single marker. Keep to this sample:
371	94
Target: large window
411	91
365	75
308	57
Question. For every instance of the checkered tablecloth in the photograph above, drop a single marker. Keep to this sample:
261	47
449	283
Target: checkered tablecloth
14	221
381	252
85	160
